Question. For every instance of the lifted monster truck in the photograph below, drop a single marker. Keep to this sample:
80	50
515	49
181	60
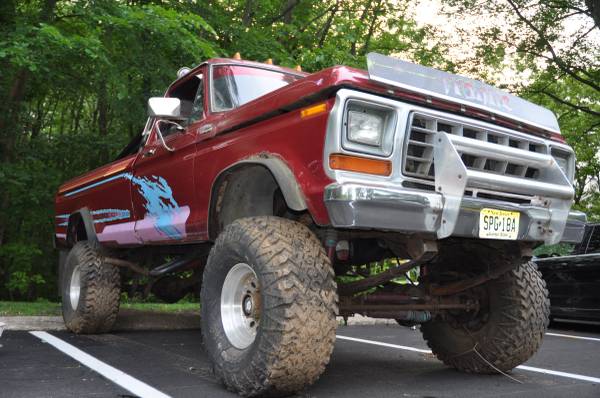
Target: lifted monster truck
264	184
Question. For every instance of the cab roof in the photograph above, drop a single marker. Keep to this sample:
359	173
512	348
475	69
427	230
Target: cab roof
241	62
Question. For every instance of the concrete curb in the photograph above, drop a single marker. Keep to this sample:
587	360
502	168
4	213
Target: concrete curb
128	320
33	322
132	320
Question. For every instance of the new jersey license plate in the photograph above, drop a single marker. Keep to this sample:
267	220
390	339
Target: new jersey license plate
498	224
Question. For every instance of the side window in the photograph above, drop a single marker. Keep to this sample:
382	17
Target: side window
191	94
133	147
197	112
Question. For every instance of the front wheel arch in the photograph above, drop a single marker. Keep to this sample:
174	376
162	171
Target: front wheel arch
258	179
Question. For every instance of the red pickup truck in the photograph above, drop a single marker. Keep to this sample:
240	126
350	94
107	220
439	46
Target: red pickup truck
280	193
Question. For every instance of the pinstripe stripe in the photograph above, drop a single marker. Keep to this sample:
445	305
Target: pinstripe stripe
98	183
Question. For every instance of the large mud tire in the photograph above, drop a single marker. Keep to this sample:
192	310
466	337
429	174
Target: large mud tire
517	319
93	307
296	332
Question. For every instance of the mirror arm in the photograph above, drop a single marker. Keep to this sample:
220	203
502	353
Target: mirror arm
160	136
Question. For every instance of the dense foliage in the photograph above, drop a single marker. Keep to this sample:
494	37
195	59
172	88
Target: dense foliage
553	49
75	75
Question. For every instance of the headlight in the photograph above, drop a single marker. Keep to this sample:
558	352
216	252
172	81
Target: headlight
365	128
564	160
369	128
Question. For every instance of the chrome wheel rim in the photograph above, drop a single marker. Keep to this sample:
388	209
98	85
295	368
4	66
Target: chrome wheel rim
75	288
240	305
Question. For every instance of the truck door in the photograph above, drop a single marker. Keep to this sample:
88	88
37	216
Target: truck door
163	174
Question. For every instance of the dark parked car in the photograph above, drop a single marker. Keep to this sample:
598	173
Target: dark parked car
574	280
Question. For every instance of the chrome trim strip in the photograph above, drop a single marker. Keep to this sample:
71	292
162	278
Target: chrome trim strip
98	183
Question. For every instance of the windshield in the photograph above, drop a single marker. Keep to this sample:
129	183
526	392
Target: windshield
235	85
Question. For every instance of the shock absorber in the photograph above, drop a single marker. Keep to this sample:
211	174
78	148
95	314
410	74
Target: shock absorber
418	316
330	241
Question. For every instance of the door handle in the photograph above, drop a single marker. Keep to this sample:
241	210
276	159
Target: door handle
207	128
149	153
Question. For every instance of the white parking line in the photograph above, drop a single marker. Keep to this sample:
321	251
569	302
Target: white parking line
561	374
379	343
570	336
118	377
522	367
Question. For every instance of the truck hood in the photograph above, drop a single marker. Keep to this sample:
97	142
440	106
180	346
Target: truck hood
455	88
405	81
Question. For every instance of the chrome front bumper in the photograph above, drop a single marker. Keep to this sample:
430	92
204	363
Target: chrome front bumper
414	211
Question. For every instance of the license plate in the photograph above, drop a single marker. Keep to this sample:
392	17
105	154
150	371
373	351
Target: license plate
498	224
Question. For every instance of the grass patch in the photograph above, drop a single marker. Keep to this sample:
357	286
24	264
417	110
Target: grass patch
162	307
23	308
47	308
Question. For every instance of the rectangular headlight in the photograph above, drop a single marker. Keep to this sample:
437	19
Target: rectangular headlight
365	128
369	128
564	162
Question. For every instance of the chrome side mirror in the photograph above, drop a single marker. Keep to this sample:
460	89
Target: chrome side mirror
162	107
160	134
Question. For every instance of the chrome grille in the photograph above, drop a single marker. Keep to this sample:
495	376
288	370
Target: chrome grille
418	156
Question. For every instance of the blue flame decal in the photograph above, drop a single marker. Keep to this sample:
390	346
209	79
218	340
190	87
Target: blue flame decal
159	203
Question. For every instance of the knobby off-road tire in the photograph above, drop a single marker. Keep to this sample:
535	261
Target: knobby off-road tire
516	322
94	309
298	305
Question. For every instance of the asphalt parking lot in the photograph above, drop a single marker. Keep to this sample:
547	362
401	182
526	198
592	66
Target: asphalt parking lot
374	361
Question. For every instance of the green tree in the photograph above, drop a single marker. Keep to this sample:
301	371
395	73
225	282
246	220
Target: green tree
557	42
75	77
74	81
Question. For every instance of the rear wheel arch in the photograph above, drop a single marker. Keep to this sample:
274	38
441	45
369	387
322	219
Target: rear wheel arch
80	227
248	188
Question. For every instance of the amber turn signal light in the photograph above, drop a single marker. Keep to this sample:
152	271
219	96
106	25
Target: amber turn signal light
313	110
360	165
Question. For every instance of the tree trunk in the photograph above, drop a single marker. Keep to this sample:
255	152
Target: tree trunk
7	15
328	23
372	26
288	10
39	119
11	108
248	12
77	118
11	105
10	118
594	7
102	110
47	14
362	18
